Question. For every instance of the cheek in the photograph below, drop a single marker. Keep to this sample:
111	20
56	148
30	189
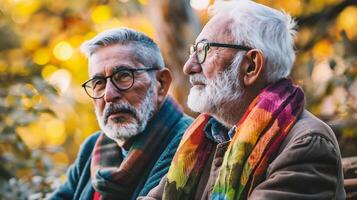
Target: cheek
137	93
210	69
212	65
99	105
218	62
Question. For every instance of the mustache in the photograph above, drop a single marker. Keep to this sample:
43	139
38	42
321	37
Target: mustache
198	78
122	108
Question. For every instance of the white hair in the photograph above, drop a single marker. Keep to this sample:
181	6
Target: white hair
144	48
258	26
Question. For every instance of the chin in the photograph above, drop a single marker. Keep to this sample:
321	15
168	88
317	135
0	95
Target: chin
118	130
198	101
122	131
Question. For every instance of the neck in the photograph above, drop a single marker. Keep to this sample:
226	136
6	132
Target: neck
120	142
125	143
230	113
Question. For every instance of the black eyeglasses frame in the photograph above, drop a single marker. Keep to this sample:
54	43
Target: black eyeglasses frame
119	69
193	48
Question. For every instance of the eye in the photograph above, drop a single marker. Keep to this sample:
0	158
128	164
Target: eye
98	84
122	76
201	51
200	47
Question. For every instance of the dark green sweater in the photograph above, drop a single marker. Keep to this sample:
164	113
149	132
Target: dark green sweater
79	186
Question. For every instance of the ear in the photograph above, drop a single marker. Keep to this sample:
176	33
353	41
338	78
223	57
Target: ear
164	79
253	67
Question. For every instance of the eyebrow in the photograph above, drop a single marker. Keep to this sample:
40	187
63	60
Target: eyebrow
115	69
98	75
202	40
120	67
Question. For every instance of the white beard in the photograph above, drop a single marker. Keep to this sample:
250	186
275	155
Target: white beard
123	131
215	97
198	99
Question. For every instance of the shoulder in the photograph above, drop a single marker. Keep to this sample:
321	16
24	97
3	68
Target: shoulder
177	133
185	121
310	154
309	138
79	172
85	152
309	128
181	126
91	139
310	143
87	146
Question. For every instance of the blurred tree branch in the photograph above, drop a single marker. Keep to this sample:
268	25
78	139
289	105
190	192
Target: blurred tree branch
12	40
5	174
320	21
325	15
177	27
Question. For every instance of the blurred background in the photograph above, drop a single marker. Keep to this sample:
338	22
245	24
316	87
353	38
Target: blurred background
45	115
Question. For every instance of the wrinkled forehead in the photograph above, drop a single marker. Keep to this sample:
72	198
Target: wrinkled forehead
107	58
217	29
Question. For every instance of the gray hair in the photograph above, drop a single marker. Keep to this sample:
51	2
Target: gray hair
144	48
264	28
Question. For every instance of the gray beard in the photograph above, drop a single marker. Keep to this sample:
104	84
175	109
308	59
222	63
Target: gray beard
123	131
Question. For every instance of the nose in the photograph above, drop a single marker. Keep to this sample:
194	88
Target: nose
192	66
111	94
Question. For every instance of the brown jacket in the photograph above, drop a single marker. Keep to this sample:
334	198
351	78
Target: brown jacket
307	166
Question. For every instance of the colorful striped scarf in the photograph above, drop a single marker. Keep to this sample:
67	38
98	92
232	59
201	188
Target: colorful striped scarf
113	176
258	136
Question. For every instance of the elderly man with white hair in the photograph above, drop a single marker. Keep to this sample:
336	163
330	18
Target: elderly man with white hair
140	125
253	139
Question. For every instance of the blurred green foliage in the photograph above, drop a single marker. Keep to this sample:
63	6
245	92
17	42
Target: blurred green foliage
22	99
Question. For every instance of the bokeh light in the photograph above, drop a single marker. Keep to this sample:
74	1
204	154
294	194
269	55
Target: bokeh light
32	135
41	56
61	79
321	73
143	2
347	21
31	43
63	51
48	70
55	134
323	49
199	4
26	7
294	7
61	158
101	14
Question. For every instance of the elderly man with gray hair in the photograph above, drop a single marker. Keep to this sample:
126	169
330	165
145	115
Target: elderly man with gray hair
253	139
140	125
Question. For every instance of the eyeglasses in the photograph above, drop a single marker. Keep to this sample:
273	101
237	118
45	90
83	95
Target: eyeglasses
122	79
202	47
